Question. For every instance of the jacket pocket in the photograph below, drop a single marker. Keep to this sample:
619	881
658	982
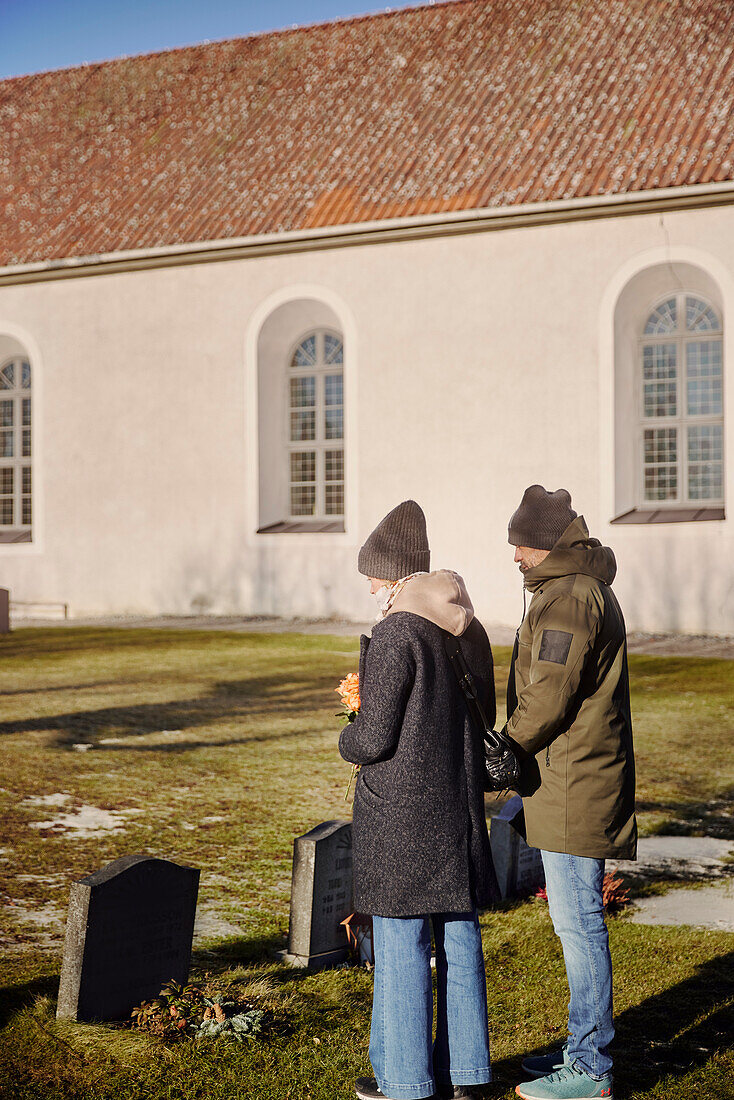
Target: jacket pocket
384	803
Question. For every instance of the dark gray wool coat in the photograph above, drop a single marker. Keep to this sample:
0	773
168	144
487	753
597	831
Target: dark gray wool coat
420	834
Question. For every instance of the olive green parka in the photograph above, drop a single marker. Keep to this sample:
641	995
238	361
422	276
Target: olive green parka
568	704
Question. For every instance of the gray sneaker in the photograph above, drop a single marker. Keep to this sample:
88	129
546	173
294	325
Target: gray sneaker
543	1064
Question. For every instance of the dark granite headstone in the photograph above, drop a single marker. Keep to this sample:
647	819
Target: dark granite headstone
129	930
321	895
519	868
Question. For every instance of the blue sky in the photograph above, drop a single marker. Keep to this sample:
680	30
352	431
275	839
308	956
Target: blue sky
52	34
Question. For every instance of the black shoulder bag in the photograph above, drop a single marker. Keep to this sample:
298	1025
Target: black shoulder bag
501	762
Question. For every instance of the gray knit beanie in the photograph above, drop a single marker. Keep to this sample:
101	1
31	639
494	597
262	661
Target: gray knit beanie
541	518
398	546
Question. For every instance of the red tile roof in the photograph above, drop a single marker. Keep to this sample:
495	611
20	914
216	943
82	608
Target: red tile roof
466	104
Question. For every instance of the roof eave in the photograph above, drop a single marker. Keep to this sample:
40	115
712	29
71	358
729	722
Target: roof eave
690	197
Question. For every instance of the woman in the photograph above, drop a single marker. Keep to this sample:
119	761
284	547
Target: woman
421	849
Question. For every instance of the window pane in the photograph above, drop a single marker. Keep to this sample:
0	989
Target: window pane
334	421
305	353
6	414
303	500
26	412
703	363
6	481
661	471
7	377
6	511
700	317
334	389
26	479
704	443
335	500
25	376
27	511
663	319
303	466
303	392
26	443
705	467
661	482
661	445
705	481
6	444
659	374
333	350
303	426
335	465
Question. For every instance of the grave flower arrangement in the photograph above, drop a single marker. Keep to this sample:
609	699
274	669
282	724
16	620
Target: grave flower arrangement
348	692
614	895
198	1012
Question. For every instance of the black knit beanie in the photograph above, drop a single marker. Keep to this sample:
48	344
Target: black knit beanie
398	546
541	518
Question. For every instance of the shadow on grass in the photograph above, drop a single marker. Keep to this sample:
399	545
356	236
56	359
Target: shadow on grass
232	952
711	818
238	951
250	699
15	997
91	686
671	1033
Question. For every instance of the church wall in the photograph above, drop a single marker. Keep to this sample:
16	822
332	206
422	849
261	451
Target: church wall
474	366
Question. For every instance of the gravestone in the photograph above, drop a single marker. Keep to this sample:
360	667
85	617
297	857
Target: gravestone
128	932
321	895
4	611
519	868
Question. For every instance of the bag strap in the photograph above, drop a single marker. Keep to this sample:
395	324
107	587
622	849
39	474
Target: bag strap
469	691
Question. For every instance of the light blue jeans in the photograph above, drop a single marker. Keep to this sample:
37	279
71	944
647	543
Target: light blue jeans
574	888
407	1064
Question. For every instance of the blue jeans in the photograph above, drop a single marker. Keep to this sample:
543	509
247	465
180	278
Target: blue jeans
574	888
407	1064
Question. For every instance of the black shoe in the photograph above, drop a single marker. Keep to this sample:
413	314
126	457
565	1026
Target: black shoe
460	1092
367	1088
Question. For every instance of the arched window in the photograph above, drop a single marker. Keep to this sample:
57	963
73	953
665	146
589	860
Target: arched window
15	450
315	427
681	435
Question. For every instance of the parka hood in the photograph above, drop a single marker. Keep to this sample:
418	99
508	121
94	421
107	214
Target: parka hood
440	597
575	552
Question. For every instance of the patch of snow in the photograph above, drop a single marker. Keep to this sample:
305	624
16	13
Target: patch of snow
705	907
209	925
87	821
680	856
150	739
46	800
42	927
53	882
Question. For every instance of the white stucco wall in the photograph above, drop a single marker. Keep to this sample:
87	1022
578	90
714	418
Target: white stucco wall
474	366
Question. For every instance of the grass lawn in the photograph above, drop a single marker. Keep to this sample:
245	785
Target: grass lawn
216	749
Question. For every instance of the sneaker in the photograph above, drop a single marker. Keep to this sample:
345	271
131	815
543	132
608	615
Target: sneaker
367	1088
544	1064
567	1083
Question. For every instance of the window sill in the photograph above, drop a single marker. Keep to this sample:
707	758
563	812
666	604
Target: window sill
15	536
295	527
669	515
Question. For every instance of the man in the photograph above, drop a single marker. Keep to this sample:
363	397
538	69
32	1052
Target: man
568	707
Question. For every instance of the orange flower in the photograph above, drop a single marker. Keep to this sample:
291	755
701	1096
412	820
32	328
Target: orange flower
349	691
